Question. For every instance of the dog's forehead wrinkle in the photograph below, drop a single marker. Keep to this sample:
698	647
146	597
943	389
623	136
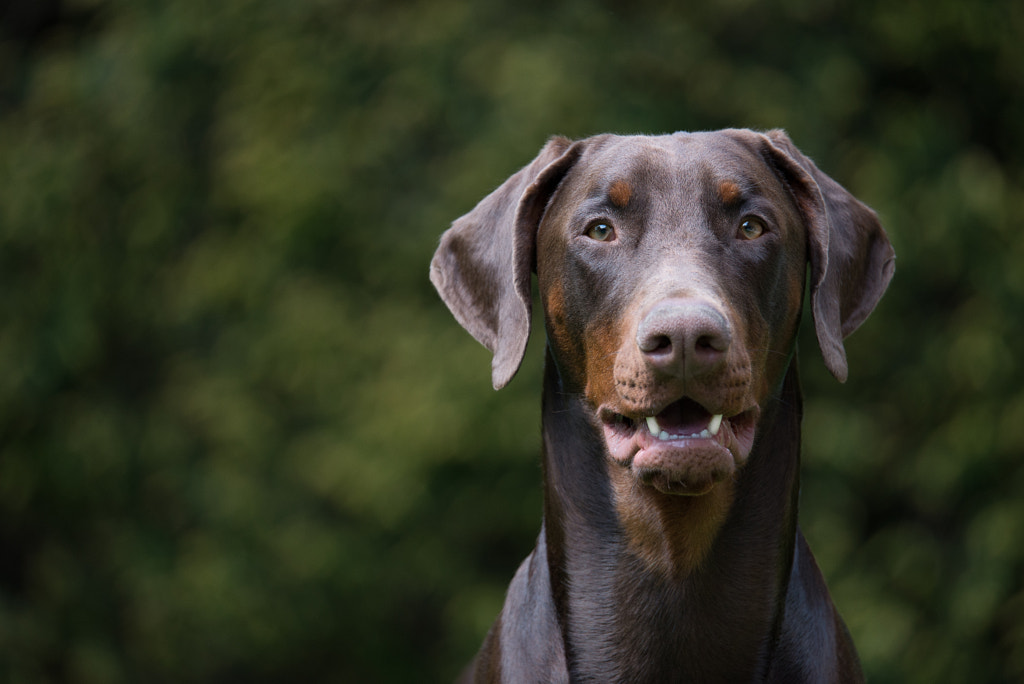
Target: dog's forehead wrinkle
721	158
671	168
638	159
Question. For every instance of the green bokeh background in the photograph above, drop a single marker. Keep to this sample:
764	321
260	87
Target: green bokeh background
241	439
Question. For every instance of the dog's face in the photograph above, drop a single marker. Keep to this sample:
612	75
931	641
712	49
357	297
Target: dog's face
671	271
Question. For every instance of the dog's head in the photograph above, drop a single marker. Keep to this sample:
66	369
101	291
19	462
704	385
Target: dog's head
671	270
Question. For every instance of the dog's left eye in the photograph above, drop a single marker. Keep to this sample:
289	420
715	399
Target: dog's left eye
751	229
602	232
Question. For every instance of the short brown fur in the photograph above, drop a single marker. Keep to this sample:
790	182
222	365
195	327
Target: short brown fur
620	193
729	192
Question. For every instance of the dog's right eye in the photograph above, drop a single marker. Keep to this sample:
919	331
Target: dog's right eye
752	228
602	232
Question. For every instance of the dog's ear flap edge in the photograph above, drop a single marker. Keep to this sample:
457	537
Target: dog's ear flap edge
482	267
851	258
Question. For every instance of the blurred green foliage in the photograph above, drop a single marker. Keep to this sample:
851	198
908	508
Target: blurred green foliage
242	440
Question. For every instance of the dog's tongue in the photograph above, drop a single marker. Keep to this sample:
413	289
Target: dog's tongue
683	417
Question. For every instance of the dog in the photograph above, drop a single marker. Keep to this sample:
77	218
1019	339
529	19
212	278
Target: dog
671	270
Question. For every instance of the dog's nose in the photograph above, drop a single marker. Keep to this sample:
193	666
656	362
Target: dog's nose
684	337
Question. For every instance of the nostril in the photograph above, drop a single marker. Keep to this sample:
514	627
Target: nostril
712	343
656	344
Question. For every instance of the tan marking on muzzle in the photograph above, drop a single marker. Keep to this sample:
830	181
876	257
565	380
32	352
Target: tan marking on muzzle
603	346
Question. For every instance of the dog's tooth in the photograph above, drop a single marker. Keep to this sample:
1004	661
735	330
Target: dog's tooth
664	436
715	424
704	433
652	425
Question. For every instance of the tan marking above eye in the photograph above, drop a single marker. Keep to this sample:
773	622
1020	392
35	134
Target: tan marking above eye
729	192
620	193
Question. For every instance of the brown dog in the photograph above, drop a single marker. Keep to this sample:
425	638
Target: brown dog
671	270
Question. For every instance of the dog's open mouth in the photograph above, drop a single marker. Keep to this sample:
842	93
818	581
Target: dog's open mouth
683	448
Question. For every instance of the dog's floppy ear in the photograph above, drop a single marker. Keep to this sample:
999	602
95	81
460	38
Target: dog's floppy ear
482	267
851	259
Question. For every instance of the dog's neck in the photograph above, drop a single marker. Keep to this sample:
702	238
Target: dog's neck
710	615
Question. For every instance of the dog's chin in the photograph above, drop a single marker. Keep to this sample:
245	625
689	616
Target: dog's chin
687	465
